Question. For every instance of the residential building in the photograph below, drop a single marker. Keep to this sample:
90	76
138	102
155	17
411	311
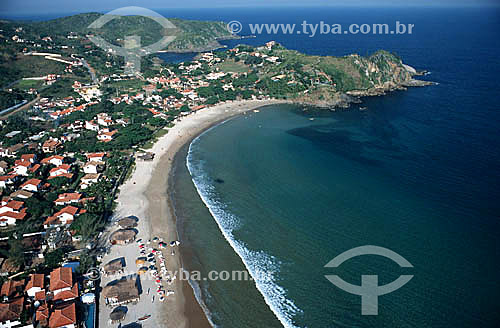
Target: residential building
33	185
62	285
64	316
68	198
50	146
64	217
35	284
56	160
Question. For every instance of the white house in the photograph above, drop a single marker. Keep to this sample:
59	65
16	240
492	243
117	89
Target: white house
7	180
32	185
90	125
60	170
63	217
21	167
91	167
89	179
56	160
12	211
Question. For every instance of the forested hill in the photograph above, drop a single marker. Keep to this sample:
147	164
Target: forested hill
190	35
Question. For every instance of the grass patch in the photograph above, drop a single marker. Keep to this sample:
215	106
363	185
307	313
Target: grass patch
157	135
35	66
134	84
230	66
28	84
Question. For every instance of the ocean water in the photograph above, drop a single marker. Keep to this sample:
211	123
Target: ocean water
280	195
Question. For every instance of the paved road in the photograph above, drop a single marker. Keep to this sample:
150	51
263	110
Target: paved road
26	106
91	70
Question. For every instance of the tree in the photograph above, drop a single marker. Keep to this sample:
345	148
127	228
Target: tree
212	100
53	259
16	251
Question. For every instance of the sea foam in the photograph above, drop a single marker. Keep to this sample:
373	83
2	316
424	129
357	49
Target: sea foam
262	267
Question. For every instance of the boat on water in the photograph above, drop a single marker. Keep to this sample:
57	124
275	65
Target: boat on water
256	110
363	108
311	119
146	317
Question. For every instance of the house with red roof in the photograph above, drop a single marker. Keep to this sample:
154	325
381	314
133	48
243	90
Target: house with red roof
33	185
12	211
11	218
62	285
68	198
34	168
42	315
10	312
29	158
9	205
64	316
97	157
63	217
61	170
22	167
35	284
50	145
104	119
12	289
106	136
56	160
8	180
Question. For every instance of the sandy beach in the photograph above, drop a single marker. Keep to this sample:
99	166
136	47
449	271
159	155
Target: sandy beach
144	195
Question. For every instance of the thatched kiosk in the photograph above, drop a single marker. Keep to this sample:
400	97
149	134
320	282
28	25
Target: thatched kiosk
114	267
121	292
128	222
122	237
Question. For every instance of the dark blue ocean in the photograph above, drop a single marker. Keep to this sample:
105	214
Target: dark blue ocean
416	172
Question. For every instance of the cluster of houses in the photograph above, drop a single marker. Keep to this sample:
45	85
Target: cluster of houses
102	125
57	108
47	301
23	180
42	300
